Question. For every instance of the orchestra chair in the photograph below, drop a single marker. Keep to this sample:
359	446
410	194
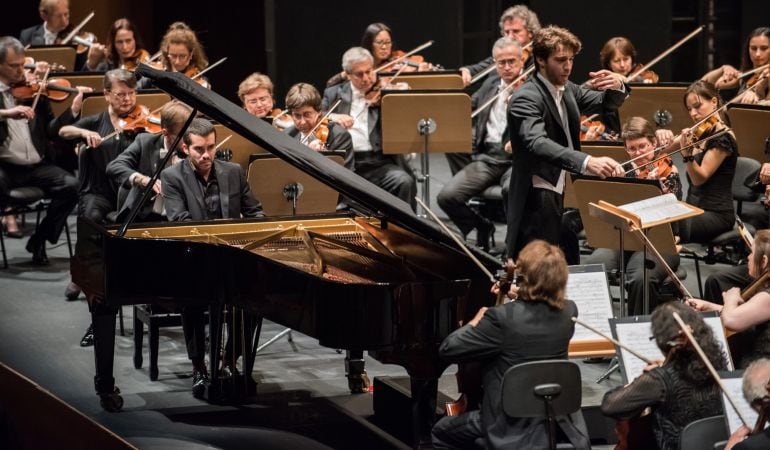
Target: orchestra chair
703	433
746	172
544	389
23	200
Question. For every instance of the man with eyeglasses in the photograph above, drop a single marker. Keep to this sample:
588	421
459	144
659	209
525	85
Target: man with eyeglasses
204	188
360	115
56	18
25	134
491	156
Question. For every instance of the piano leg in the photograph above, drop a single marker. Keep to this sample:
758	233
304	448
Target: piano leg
424	393
103	319
355	370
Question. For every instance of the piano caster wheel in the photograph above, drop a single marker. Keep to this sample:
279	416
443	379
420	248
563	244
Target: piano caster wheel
112	402
138	361
358	383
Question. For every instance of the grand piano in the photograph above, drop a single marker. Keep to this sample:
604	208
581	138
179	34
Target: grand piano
380	279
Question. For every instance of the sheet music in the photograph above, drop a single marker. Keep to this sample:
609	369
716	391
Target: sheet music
636	335
733	382
657	208
587	286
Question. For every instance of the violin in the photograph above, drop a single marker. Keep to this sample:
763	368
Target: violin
704	127
646	76
411	63
193	73
56	89
586	124
140	56
322	131
280	119
140	120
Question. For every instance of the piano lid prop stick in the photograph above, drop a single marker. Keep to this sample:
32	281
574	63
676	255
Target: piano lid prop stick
686	330
457	240
614	341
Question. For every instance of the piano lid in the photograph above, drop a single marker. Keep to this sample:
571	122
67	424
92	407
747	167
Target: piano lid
379	201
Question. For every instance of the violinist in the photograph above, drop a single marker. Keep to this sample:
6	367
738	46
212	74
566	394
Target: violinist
361	117
752	315
678	390
98	194
537	326
756	380
491	145
56	18
756	53
639	139
25	134
256	94
710	165
517	22
304	104
124	49
619	55
182	51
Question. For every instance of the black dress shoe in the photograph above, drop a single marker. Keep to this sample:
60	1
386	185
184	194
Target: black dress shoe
88	339
72	292
14	234
200	380
485	233
37	248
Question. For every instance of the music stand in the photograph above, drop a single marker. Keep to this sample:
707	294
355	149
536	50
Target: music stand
280	187
751	125
426	122
441	80
238	149
661	104
64	55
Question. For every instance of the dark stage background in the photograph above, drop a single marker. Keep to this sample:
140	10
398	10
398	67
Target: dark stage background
304	40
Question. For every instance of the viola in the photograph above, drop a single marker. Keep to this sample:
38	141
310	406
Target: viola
141	120
57	89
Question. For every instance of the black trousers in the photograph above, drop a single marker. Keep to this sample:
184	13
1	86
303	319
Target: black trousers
457	161
458	432
59	185
95	207
705	227
736	276
390	176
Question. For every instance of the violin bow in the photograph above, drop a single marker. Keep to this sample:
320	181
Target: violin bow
404	56
457	240
588	119
42	87
223	141
753	71
211	66
656	149
502	91
665	53
611	339
686	330
155	56
75	30
491	67
325	116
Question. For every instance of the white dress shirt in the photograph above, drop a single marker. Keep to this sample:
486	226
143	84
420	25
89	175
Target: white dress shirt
18	147
359	111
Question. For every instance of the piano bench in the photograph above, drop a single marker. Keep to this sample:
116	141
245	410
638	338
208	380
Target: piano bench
154	317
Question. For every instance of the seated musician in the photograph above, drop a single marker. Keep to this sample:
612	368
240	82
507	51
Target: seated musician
491	157
756	53
182	52
710	166
124	49
750	317
133	169
542	313
361	117
256	94
56	18
639	139
678	390
196	189
756	380
517	22
24	137
304	104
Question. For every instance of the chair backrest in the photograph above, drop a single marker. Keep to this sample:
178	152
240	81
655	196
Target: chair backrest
519	399
703	433
746	170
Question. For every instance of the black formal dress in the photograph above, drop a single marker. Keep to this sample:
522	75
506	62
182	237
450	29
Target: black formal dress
541	149
507	335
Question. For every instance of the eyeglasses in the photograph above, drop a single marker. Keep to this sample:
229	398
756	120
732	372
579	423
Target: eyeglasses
179	57
506	62
382	43
639	147
123	95
263	100
307	115
361	74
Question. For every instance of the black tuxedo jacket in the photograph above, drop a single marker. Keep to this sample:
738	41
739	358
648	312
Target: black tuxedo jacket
34	35
143	156
539	139
184	198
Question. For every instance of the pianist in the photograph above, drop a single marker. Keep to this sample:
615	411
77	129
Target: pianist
507	335
204	188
